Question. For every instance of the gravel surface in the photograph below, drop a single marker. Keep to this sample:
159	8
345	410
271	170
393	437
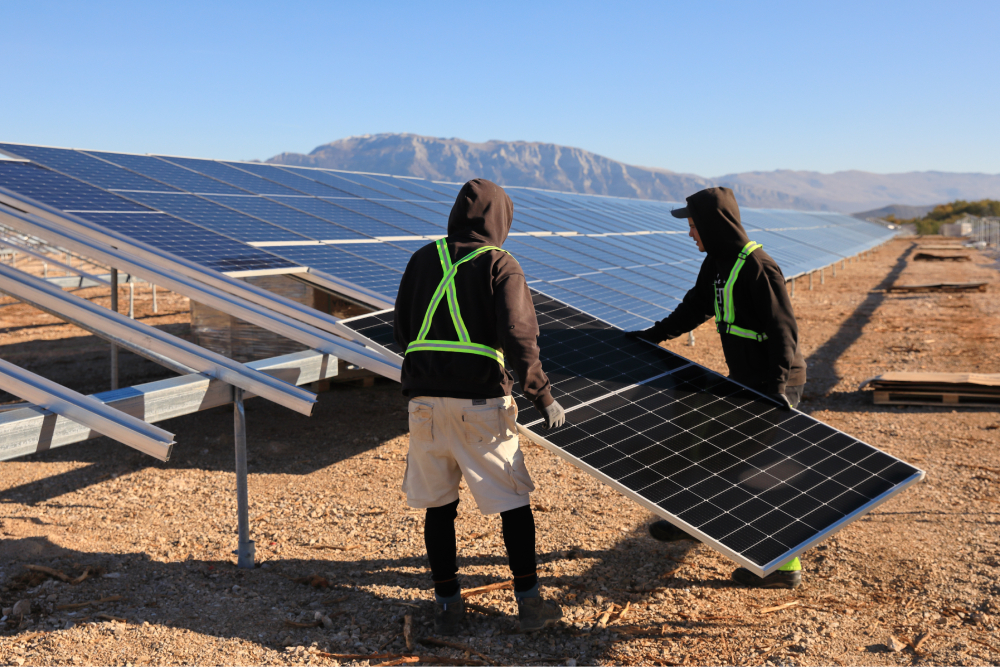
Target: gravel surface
341	556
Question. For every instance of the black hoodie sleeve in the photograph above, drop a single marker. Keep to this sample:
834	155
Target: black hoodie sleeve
401	317
694	310
772	305
517	329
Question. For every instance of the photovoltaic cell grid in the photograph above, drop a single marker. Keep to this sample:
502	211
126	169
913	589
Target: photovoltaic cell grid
627	262
140	222
758	483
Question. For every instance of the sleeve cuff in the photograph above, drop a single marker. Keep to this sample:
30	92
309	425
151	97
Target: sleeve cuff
544	401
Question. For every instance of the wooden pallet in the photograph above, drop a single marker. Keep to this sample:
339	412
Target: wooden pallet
941	399
941	287
938	257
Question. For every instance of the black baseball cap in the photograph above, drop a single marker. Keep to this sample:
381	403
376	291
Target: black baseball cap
681	212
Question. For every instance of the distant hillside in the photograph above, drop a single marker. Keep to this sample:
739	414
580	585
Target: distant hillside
897	211
522	163
850	191
575	170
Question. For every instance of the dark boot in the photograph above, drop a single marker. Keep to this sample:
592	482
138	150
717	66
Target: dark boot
535	613
448	620
778	579
664	531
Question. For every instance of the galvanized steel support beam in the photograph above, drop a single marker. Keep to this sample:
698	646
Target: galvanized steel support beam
245	550
179	265
30	429
141	338
203	291
86	411
114	347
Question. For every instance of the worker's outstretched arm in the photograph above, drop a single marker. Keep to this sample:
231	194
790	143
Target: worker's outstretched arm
691	313
517	329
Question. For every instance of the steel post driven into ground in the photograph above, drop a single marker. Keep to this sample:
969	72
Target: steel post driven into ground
245	550
114	348
131	298
793	287
691	338
154	299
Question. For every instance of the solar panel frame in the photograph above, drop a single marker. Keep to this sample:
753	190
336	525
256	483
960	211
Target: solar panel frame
603	452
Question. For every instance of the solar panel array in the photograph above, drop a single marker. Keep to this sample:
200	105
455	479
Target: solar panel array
626	261
758	483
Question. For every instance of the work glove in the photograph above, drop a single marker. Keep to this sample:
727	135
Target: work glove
554	415
781	400
645	334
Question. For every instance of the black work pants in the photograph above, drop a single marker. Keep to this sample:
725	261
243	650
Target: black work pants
442	550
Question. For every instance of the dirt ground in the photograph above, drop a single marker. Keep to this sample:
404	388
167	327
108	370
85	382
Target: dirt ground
914	582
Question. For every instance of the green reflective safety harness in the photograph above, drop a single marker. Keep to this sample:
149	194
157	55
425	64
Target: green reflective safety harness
724	320
447	288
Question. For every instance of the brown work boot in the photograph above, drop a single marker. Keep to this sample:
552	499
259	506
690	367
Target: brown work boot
535	613
448	620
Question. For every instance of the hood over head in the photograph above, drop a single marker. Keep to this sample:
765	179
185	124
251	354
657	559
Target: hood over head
483	213
717	219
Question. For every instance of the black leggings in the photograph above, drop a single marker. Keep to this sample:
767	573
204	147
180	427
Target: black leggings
442	551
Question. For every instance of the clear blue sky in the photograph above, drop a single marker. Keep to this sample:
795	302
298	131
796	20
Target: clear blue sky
701	87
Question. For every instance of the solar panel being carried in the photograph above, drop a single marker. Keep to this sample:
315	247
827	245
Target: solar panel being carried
757	483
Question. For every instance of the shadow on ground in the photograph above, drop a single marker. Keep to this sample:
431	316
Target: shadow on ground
216	599
344	423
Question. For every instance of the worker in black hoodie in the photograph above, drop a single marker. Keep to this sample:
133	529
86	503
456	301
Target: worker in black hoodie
742	287
462	310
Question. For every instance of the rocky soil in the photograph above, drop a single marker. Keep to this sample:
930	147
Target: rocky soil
341	561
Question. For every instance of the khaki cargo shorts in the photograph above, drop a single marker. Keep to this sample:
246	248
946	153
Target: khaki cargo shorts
455	437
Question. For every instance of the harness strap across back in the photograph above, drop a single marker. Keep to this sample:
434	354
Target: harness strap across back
724	319
446	291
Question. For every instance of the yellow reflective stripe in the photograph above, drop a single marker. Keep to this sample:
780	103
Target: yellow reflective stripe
725	319
745	333
452	346
447	287
453	310
443	285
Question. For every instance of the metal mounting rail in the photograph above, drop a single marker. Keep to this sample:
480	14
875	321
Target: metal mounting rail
85	410
271	320
23	247
27	429
175	353
86	229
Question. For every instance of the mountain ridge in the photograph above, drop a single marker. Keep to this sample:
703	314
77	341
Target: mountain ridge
569	169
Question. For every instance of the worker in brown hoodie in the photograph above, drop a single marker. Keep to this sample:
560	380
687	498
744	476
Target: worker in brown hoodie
743	288
463	310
